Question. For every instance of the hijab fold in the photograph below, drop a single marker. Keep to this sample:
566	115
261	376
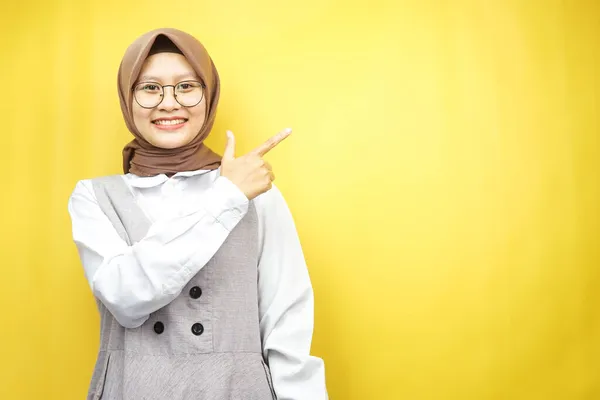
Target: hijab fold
139	156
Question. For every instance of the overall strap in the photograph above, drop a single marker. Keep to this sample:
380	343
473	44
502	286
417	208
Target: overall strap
119	204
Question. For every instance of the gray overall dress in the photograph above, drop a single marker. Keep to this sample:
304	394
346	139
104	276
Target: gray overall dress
206	343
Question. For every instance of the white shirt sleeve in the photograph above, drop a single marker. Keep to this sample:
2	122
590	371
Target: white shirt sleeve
286	304
134	281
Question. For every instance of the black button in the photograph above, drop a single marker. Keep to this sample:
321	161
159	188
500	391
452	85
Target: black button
197	329
159	327
195	292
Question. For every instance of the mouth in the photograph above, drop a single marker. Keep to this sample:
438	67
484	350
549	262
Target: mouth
169	123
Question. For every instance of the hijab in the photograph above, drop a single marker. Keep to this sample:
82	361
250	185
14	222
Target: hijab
139	156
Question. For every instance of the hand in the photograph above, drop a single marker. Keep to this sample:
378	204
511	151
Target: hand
250	173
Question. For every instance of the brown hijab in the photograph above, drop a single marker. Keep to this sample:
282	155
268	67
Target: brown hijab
139	156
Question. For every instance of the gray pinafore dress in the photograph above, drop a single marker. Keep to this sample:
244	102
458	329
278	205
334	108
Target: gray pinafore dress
206	343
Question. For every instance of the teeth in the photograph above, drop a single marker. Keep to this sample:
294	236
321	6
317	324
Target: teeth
169	122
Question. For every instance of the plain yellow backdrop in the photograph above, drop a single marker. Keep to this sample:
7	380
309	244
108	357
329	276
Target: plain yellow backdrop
443	174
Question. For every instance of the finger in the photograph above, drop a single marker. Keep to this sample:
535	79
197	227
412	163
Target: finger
229	153
272	142
272	175
268	166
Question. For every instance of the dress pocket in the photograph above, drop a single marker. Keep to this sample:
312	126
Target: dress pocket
269	378
100	377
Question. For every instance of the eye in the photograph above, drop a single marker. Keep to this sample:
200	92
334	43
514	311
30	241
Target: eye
148	88
187	86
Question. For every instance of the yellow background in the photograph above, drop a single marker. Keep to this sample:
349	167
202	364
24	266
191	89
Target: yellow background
443	173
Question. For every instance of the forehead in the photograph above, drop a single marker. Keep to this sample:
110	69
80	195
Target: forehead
166	67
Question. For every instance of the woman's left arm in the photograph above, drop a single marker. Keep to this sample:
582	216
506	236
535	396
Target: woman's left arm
286	304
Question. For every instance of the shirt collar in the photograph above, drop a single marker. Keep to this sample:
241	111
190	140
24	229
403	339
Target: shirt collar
156	180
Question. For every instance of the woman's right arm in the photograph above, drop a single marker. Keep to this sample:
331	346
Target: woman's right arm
134	281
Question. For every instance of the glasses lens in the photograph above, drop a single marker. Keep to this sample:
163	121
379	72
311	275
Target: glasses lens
148	94
189	93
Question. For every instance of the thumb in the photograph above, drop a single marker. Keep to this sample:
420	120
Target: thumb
229	153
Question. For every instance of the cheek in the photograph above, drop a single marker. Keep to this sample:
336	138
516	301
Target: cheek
141	118
197	116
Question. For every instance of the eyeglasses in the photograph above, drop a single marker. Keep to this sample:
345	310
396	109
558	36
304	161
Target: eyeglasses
151	94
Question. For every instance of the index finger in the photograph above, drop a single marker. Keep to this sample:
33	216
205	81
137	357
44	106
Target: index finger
272	142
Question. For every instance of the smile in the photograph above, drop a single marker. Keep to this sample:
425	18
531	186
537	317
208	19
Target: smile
169	124
169	121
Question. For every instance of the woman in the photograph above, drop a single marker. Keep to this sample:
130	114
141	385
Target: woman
193	258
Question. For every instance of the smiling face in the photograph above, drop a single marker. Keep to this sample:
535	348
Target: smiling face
168	125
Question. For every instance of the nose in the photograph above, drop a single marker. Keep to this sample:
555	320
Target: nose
168	103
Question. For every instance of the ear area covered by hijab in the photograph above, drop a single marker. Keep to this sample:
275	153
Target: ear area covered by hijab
139	156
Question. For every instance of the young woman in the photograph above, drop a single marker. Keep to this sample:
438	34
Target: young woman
193	258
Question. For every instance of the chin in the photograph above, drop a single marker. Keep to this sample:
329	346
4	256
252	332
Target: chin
170	144
170	140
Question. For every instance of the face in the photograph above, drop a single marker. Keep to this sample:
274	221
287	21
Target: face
168	125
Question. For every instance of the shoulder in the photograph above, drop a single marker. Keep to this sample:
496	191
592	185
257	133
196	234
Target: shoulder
83	187
272	205
271	198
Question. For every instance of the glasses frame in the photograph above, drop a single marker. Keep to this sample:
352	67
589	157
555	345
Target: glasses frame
202	85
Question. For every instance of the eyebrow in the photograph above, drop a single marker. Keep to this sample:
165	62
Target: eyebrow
177	78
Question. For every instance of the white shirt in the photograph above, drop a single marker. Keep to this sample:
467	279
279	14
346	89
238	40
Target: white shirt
203	207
